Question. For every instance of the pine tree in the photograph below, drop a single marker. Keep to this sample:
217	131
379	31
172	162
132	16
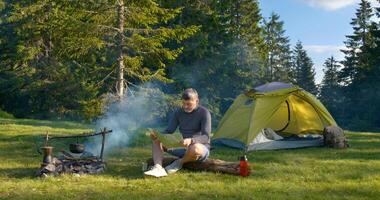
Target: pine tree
330	89
89	47
244	45
330	79
357	43
358	68
223	58
240	19
304	72
374	76
278	60
240	60
363	92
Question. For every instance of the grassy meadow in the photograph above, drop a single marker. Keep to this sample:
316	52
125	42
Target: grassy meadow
313	173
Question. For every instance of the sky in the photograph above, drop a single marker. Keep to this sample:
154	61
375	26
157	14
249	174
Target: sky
321	25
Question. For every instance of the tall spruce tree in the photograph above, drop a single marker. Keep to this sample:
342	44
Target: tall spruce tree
98	46
364	90
374	78
357	43
358	68
244	45
304	72
330	89
278	60
223	58
240	60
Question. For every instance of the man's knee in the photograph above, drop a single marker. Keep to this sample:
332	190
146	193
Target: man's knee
196	150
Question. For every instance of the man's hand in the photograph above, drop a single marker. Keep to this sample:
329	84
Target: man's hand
153	135
186	142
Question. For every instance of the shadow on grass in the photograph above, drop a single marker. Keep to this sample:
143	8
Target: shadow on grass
19	173
52	124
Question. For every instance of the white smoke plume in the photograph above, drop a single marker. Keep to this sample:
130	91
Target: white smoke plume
144	106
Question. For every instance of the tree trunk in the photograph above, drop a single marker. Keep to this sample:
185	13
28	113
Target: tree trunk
120	74
213	165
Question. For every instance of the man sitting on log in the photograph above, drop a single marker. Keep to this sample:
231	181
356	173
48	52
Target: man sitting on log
194	123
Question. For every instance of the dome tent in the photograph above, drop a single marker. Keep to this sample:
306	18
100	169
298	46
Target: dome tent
284	108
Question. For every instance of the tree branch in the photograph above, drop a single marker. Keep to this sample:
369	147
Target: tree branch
106	77
109	27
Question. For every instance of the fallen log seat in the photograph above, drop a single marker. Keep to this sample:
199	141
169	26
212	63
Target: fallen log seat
213	165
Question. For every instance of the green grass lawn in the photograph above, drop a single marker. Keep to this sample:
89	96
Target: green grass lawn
314	173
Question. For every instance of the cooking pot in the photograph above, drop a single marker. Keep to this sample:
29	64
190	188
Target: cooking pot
76	148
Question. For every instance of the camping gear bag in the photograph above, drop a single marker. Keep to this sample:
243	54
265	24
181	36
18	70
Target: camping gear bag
334	137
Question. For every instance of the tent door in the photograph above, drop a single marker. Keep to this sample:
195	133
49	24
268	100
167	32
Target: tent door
287	124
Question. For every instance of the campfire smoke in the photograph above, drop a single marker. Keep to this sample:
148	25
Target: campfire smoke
141	108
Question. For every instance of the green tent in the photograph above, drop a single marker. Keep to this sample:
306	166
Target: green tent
271	116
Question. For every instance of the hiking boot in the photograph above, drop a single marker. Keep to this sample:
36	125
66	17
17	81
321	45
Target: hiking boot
174	166
156	171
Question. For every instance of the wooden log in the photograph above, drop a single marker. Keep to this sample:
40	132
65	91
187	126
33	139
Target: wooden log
213	165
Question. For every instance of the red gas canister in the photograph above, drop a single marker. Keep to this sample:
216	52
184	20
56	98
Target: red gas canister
244	167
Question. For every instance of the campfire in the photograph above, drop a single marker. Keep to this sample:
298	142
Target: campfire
77	161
